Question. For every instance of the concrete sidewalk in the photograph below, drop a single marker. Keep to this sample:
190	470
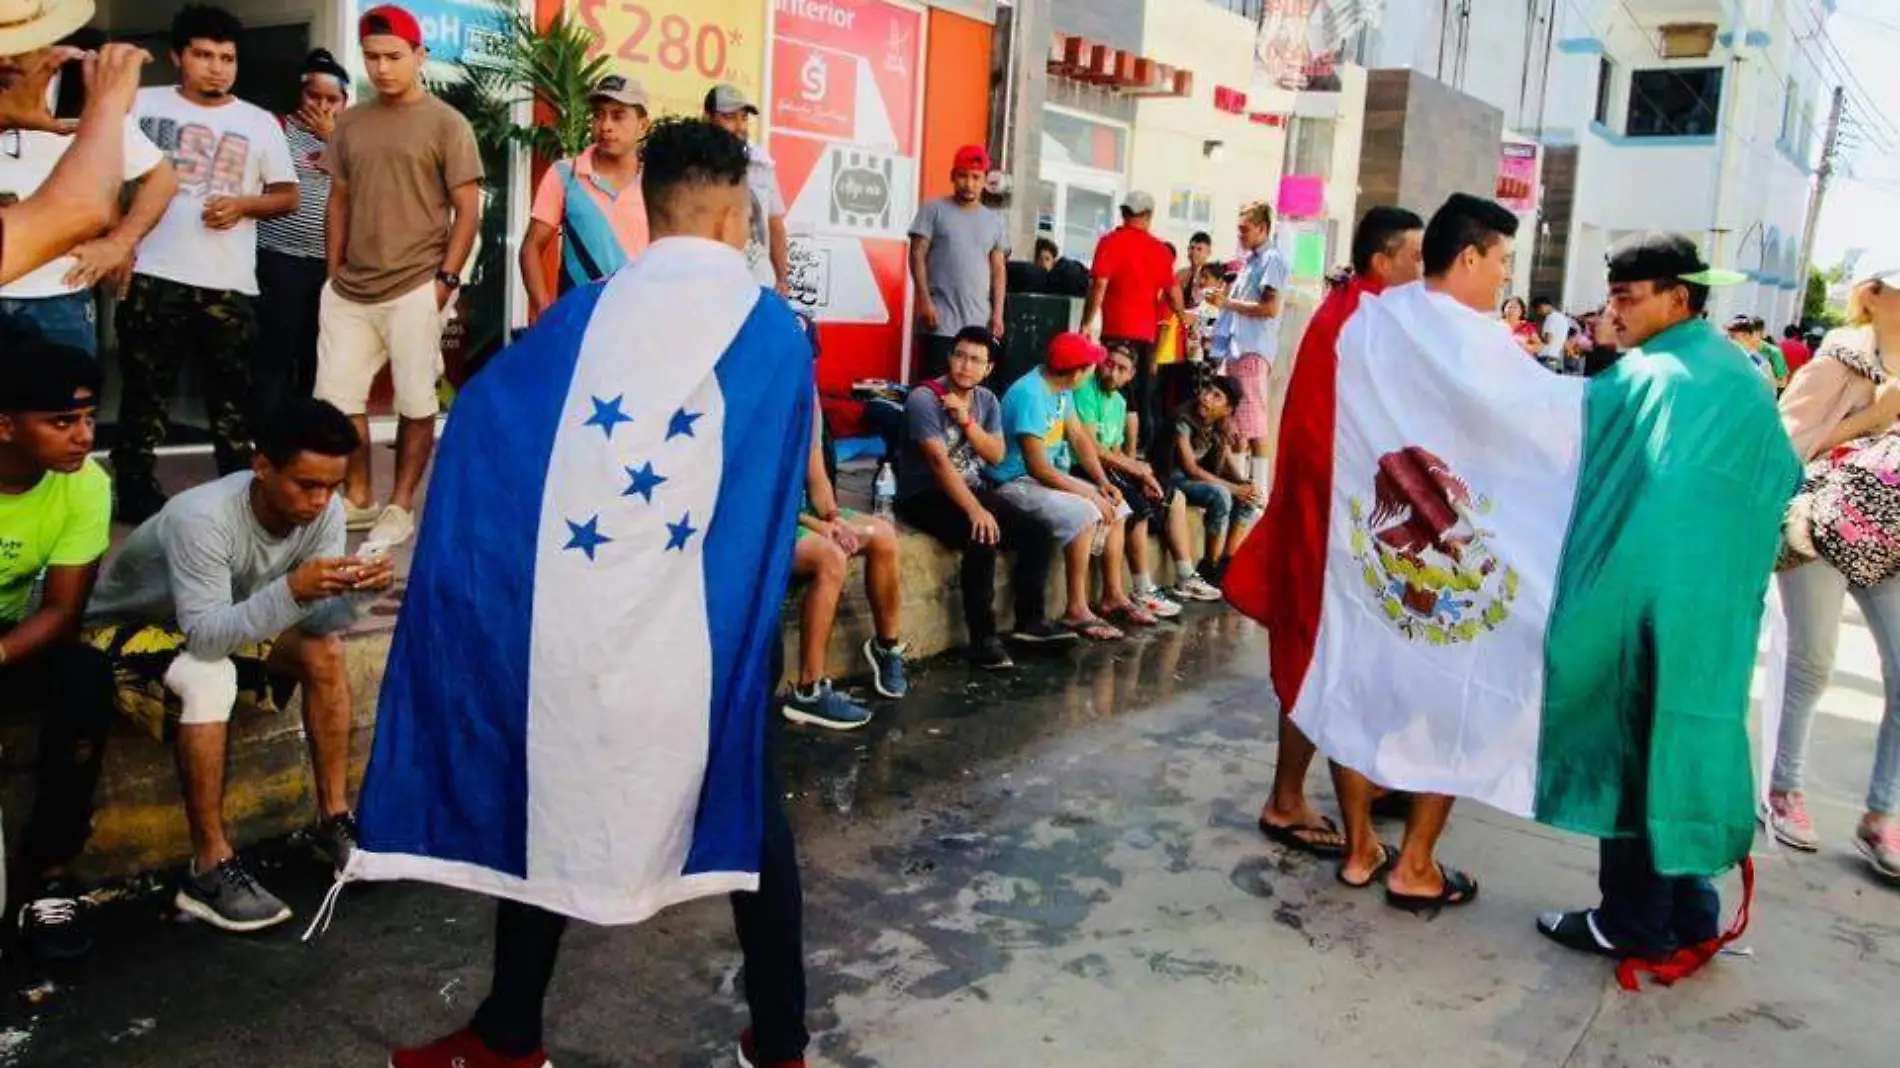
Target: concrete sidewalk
1057	868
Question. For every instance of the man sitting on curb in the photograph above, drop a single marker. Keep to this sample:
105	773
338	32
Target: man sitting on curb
955	426
828	537
1042	427
1104	411
55	523
234	584
1200	464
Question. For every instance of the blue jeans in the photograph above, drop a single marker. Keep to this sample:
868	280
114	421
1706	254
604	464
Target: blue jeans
1812	595
1216	502
69	320
1649	914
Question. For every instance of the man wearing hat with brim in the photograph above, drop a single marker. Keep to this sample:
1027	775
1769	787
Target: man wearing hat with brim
1674	597
768	250
591	203
959	253
55	525
79	199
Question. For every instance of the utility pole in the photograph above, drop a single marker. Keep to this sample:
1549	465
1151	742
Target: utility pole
1830	147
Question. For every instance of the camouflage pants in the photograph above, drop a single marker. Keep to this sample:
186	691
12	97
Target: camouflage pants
160	324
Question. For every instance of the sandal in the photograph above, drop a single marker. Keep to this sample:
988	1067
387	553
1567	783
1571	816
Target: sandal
1095	630
1577	930
1459	889
1131	615
1388	856
1302	837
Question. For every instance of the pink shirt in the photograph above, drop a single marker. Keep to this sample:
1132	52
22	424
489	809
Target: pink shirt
627	209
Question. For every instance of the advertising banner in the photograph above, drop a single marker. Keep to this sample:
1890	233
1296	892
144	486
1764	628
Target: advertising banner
1517	177
678	49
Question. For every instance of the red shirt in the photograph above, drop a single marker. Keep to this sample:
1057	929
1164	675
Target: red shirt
1139	272
1795	351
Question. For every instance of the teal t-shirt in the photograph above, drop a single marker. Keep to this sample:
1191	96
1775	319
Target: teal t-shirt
1031	407
1104	412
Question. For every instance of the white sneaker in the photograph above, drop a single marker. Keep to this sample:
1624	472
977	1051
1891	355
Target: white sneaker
1157	605
355	519
1195	588
392	528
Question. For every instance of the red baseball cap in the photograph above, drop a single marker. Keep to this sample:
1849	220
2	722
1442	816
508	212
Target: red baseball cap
972	158
1070	351
390	20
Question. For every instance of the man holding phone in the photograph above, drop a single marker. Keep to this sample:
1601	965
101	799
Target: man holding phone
241	588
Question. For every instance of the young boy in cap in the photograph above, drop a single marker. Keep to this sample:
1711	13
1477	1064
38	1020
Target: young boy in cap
405	201
1041	429
959	251
592	202
767	248
55	522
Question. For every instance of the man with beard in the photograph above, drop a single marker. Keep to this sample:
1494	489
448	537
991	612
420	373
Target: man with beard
958	254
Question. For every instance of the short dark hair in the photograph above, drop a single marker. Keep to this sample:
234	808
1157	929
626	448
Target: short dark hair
1122	348
1201	237
203	22
1791	331
687	152
1464	222
1380	231
305	424
1543	302
1043	244
1218	270
979	335
1757	324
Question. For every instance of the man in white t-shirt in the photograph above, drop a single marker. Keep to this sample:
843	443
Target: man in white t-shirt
194	286
56	300
1555	327
768	250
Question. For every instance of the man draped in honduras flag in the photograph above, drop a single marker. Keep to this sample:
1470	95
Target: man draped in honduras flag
574	716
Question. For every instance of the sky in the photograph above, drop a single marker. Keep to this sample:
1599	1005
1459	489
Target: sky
1863	204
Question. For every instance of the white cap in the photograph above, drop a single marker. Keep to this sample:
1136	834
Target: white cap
1138	203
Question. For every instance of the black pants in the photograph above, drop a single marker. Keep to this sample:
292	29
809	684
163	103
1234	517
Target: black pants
771	939
1650	914
1143	395
937	515
284	360
69	687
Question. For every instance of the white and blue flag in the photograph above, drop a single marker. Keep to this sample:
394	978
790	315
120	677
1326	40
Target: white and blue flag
575	706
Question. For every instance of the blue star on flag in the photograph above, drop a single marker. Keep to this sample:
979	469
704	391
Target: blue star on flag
644	482
585	536
681	424
677	533
607	415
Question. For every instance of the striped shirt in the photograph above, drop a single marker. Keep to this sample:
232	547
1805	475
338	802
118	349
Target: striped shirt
301	232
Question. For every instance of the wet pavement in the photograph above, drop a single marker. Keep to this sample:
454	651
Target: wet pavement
1055	868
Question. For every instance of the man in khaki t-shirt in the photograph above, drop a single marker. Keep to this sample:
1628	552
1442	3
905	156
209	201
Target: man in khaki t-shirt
405	200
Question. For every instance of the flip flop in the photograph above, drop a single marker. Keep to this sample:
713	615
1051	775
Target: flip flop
1459	889
1388	856
1095	630
1132	615
1289	837
1574	930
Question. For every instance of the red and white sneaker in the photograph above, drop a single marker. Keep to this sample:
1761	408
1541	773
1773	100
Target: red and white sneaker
463	1049
1788	820
749	1057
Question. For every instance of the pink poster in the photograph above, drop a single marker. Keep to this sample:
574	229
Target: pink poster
1517	178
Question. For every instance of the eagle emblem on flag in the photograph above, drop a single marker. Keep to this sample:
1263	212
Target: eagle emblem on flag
1424	552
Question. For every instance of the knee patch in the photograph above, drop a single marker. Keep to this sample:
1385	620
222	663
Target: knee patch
206	688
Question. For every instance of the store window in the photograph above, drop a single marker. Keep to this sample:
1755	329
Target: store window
1072	139
1311	147
1193	207
1674	103
1082	180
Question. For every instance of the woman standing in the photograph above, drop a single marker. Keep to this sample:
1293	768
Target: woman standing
1521	327
290	250
1849	391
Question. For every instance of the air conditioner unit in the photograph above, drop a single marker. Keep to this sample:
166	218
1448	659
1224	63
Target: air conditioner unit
1687	40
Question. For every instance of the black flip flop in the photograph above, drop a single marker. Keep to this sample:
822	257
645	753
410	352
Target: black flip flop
1389	855
1572	930
1459	889
1290	837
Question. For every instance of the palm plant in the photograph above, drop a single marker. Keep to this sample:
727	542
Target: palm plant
549	67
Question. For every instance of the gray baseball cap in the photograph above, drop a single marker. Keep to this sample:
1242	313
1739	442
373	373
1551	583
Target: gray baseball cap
620	90
1138	203
725	99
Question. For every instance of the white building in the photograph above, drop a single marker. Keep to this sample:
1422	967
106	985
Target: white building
1704	116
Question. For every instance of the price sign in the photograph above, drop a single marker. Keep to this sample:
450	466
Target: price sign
678	49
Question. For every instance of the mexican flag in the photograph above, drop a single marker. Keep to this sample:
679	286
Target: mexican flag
1540	592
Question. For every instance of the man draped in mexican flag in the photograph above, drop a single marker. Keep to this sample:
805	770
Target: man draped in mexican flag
1543	593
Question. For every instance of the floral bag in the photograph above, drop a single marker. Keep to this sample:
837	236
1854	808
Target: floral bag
1847	513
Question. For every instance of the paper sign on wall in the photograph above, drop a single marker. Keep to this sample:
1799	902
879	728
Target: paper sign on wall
678	49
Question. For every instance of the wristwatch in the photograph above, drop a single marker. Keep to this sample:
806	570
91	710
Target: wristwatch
450	279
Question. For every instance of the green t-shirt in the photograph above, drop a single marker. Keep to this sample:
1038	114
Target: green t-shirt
65	521
1772	353
1104	413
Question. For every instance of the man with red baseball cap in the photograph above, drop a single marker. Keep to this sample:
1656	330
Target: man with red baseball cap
958	250
405	201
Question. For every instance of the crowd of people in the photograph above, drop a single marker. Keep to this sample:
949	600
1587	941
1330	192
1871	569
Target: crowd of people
300	254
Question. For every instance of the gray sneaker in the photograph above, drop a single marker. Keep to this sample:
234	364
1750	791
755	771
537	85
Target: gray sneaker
335	839
229	897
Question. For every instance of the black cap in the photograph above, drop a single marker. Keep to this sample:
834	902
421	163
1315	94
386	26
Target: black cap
1229	385
1740	323
1655	256
320	61
37	375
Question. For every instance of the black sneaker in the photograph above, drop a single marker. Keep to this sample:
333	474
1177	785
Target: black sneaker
56	928
335	839
990	655
135	502
1041	631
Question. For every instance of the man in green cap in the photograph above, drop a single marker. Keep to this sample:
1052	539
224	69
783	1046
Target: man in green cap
1674	598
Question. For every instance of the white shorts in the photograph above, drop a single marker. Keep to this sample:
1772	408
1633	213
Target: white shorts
354	341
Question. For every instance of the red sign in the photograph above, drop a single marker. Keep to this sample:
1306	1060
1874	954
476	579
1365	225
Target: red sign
869	35
1517	177
1232	101
814	90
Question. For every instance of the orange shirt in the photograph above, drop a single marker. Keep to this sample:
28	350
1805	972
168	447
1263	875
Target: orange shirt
626	209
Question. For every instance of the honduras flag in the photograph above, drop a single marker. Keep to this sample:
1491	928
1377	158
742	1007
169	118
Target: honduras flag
575	707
